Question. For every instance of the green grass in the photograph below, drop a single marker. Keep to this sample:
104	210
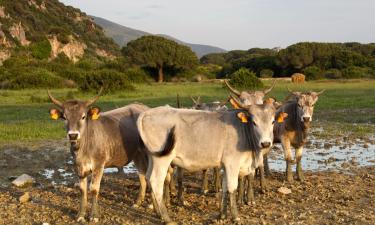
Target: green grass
24	113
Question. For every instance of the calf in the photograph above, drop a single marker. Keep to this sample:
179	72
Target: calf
197	140
100	140
293	131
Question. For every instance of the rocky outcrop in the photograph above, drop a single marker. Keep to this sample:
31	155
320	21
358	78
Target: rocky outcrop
18	33
42	6
2	12
4	55
103	53
74	50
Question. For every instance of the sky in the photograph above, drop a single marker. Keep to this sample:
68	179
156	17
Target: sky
242	24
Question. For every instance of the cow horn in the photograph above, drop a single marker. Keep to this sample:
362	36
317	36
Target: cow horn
238	102
54	100
234	91
178	101
223	103
92	101
195	101
320	92
270	89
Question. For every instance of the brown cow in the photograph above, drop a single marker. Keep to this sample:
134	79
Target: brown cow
293	131
100	140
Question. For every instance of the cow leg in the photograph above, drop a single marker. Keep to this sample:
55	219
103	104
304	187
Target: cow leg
241	190
97	175
232	183
217	179
205	182
288	158
250	189
167	193
299	171
180	191
263	183
83	205
142	190
120	170
157	176
266	166
172	183
224	198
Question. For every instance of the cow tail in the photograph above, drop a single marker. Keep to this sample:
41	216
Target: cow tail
169	144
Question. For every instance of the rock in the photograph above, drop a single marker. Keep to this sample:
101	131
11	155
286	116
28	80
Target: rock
23	180
284	190
25	197
365	145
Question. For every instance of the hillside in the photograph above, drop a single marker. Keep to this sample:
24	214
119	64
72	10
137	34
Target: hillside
27	26
122	35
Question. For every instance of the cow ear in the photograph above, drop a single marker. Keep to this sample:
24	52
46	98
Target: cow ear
55	114
242	117
281	117
94	113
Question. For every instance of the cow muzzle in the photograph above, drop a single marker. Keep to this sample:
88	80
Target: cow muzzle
306	119
74	136
265	144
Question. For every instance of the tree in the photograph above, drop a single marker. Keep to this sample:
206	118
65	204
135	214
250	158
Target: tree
158	52
245	79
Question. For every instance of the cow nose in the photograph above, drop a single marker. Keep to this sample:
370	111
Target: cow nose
265	144
73	136
306	119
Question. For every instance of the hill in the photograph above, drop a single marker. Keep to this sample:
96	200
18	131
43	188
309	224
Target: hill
46	29
122	35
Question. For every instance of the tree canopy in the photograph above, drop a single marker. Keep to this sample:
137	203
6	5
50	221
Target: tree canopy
160	53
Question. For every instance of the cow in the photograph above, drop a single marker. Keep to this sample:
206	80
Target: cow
99	140
250	97
293	131
196	140
210	106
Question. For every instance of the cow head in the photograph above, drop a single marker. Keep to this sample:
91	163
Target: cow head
262	118
213	106
250	97
76	115
306	102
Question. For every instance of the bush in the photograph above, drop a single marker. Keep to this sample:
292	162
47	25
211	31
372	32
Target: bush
41	50
109	79
37	79
313	73
137	75
266	73
333	74
243	78
356	72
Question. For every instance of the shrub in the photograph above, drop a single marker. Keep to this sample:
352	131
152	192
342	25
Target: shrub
333	74
266	73
109	79
36	79
243	78
41	50
356	72
313	73
137	75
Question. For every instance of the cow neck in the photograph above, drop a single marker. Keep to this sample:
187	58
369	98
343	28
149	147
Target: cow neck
87	136
294	122
251	137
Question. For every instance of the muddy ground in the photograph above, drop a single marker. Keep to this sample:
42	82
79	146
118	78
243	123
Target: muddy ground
326	197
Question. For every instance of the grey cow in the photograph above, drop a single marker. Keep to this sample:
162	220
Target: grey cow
293	131
100	140
197	140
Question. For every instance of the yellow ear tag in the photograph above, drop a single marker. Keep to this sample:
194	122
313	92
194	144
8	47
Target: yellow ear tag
281	117
95	116
54	116
242	117
234	104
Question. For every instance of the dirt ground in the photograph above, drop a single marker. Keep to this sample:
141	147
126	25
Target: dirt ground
326	197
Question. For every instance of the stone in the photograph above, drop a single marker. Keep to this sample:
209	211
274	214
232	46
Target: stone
25	197
23	180
284	190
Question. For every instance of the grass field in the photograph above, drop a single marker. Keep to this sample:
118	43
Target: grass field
345	106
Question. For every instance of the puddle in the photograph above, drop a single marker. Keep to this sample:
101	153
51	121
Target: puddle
322	155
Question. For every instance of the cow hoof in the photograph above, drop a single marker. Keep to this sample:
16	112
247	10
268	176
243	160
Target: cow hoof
250	203
81	219
94	220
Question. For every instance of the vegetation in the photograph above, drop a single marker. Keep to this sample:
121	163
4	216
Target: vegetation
316	60
245	79
24	117
160	53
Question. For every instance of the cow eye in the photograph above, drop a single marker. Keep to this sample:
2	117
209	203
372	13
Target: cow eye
254	123
273	122
83	117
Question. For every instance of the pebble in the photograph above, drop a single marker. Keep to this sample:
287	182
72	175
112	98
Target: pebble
284	190
23	180
25	197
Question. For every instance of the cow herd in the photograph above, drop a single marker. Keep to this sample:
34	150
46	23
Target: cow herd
233	142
